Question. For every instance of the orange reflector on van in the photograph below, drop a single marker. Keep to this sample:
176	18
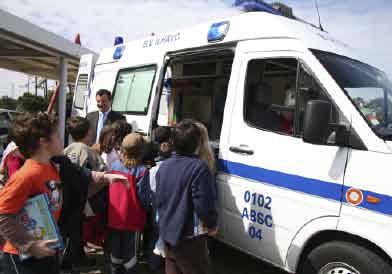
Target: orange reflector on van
354	196
373	200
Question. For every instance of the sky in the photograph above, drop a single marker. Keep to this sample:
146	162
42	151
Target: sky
363	24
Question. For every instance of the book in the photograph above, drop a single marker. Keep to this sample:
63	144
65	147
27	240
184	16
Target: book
38	220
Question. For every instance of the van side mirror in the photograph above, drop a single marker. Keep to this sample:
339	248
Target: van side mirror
316	121
317	126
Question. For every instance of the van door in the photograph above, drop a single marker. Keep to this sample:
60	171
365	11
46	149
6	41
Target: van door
274	183
83	84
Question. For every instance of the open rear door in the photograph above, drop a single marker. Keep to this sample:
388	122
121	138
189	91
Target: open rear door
83	84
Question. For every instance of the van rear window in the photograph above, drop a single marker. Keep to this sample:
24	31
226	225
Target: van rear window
133	90
81	91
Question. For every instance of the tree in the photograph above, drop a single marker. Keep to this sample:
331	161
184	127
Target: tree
31	103
8	103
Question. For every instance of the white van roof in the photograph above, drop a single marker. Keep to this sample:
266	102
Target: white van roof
245	26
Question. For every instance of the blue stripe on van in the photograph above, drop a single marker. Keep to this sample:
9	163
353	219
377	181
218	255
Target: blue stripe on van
322	189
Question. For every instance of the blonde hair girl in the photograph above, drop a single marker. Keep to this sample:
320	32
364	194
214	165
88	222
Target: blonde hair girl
205	151
132	150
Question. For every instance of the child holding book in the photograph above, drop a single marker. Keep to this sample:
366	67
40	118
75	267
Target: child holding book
39	141
126	215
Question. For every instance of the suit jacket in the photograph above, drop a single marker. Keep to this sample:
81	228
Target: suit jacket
93	117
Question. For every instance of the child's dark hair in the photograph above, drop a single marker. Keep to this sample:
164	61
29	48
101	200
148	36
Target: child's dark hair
162	134
78	127
187	137
150	152
121	129
106	139
112	135
27	130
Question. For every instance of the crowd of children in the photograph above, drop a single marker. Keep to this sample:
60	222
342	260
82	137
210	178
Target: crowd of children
110	194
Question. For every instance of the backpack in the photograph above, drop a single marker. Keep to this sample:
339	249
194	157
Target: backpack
125	211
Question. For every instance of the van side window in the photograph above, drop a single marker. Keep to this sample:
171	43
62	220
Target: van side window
275	101
270	94
80	91
133	90
309	89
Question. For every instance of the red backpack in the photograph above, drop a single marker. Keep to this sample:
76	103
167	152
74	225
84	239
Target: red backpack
125	211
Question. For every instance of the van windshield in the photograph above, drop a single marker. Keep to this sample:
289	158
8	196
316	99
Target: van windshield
367	87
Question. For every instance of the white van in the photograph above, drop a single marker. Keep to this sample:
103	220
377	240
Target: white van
300	127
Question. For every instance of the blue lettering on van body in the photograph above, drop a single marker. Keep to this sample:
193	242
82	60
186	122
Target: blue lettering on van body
258	200
256	215
170	38
255	233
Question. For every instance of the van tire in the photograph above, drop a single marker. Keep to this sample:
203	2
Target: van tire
345	258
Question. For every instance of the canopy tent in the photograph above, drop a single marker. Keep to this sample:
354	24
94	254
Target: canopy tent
27	48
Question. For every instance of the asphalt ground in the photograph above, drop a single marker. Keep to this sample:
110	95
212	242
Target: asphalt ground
225	260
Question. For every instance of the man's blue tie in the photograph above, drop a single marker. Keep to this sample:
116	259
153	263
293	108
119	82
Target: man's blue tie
101	121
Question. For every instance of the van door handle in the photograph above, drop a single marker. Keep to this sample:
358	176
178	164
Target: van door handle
241	150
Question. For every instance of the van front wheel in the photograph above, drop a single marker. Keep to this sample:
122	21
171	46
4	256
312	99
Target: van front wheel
339	257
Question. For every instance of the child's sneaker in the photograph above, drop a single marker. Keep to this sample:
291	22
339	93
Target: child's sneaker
159	248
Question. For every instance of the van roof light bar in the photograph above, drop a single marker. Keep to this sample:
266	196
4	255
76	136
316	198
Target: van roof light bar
256	5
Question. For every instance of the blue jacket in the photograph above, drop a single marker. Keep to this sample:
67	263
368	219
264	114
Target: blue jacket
185	187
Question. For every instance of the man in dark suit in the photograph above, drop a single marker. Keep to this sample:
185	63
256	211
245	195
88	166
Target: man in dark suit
105	116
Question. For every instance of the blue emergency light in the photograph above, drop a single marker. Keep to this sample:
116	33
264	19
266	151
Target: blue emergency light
118	52
256	5
218	31
118	40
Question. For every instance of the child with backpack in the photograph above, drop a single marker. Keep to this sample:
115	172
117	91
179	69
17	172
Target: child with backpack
126	216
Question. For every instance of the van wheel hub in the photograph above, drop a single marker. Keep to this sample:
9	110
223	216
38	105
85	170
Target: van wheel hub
338	268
